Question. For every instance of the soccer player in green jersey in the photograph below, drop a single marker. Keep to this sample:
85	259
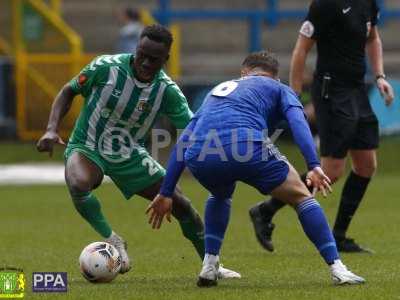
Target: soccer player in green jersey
124	94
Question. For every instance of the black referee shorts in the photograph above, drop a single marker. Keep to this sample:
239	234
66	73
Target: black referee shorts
345	119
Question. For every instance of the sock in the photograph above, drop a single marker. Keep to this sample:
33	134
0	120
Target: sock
316	228
269	208
193	229
210	259
352	194
216	221
89	208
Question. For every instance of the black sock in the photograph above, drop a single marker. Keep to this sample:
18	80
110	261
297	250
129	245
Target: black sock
269	208
353	191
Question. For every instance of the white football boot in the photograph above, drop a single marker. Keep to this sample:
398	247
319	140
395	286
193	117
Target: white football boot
119	243
224	273
341	275
209	272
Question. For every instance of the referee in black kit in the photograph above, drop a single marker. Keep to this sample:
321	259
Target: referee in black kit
345	32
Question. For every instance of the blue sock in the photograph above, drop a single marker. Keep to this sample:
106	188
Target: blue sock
216	221
316	227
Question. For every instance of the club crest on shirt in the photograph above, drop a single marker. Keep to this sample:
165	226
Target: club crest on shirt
143	106
105	112
307	29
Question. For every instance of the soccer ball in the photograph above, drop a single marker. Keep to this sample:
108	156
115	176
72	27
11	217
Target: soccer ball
100	262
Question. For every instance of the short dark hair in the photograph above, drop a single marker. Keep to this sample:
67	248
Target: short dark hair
265	60
158	33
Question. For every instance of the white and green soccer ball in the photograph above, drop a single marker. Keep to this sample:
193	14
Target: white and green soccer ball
100	262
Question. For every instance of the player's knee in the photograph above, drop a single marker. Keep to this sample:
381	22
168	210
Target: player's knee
333	168
299	194
78	184
365	170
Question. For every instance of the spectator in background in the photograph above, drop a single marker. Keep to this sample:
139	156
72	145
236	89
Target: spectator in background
130	31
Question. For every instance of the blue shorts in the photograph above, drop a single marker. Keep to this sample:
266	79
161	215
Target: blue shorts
255	163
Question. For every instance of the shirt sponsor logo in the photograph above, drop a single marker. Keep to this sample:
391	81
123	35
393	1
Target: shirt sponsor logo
307	29
12	283
346	10
44	282
116	93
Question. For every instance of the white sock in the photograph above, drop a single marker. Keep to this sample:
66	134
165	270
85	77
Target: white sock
210	259
337	264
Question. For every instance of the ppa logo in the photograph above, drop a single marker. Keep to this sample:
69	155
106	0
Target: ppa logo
43	282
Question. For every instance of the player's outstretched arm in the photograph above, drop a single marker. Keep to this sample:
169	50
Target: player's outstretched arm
162	203
59	109
303	138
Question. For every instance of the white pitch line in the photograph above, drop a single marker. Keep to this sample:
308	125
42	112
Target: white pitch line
32	174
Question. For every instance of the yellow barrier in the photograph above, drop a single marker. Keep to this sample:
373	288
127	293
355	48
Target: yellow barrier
39	75
5	47
56	6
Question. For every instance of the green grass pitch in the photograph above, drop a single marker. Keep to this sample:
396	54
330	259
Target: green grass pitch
40	231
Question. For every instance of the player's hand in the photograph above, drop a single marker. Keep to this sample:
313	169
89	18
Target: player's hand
386	90
319	181
47	141
158	208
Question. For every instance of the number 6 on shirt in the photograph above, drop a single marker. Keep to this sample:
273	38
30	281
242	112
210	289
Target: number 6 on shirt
224	89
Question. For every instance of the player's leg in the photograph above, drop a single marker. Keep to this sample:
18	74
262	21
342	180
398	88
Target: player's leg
82	176
215	176
363	168
262	213
363	154
315	225
336	124
261	216
216	219
190	222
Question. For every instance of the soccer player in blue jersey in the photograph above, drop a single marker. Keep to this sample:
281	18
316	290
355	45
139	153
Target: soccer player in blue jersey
226	142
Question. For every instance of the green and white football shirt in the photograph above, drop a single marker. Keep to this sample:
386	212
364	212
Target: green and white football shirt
115	99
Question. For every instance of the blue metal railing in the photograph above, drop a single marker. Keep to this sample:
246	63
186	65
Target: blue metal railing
272	15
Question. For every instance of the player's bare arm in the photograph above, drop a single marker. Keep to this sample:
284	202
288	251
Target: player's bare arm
375	55
59	109
297	65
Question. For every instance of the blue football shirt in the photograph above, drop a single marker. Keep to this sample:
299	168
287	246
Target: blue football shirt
242	110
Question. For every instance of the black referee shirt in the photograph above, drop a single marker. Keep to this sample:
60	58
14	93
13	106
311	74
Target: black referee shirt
341	29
